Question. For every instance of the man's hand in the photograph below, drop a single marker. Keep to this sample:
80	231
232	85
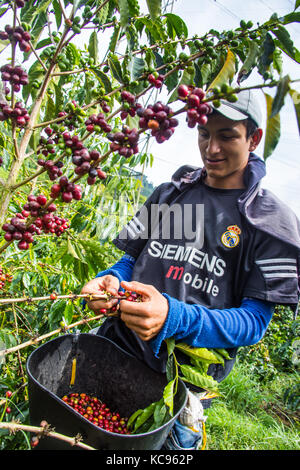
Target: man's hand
146	318
107	283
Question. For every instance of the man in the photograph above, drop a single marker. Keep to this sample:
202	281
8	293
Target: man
214	285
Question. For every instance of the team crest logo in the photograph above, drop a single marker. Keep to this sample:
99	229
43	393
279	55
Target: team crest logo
231	238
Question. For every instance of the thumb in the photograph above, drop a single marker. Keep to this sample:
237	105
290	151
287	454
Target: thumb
137	287
111	284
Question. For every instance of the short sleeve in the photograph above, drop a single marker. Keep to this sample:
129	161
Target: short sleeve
274	273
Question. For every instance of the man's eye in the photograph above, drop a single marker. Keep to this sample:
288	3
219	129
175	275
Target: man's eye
203	136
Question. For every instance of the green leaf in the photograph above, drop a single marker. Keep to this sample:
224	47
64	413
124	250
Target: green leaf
57	13
194	377
226	73
295	95
198	353
272	133
124	12
115	68
103	79
250	62
170	342
159	415
170	368
145	415
168	396
137	67
154	8
69	312
281	92
223	352
297	4
114	38
93	46
266	57
291	18
285	42
133	417
176	26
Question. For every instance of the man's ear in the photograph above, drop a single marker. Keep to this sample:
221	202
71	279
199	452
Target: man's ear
255	139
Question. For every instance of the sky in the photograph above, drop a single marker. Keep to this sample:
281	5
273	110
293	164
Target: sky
283	166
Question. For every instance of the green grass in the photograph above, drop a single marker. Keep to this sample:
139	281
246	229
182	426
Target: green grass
251	415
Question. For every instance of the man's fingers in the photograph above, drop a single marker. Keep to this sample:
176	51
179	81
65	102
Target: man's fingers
138	287
110	284
97	305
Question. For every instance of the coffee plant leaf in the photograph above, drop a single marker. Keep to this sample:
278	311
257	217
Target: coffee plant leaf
273	128
250	62
144	415
114	38
170	368
295	95
193	376
223	353
160	414
124	12
115	69
57	13
293	17
176	26
226	73
279	98
93	46
168	396
285	42
170	342
154	8
266	56
102	78
199	353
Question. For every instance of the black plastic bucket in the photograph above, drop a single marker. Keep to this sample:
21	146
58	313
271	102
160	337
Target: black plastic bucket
104	370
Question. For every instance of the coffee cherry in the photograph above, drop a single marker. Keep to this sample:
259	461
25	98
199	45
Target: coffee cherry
97	412
53	296
34	441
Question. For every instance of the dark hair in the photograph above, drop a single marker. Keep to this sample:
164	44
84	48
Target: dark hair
251	127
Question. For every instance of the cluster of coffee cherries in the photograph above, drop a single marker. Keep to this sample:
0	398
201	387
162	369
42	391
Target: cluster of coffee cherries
97	123
19	114
18	35
44	221
129	105
197	111
125	295
97	412
4	278
16	76
67	189
158	118
156	80
124	142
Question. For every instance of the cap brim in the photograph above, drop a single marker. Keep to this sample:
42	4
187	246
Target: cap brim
231	113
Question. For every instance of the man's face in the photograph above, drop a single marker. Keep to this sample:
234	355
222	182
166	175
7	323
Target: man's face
225	149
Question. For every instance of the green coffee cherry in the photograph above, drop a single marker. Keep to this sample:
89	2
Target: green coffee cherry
232	98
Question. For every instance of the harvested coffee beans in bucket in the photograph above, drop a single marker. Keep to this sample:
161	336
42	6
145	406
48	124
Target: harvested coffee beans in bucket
97	412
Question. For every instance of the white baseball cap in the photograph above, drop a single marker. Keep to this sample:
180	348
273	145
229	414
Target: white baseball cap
247	106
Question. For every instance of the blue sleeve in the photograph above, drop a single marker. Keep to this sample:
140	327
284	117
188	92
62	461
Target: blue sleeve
202	327
122	269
